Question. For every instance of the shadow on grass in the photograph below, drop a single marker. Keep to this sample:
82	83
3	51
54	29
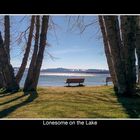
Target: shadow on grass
131	105
7	111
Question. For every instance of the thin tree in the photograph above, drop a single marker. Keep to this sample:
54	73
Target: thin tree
113	32
6	45
30	75
108	53
36	70
27	51
7	35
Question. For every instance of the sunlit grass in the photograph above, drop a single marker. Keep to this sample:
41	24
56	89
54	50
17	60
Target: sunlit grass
69	102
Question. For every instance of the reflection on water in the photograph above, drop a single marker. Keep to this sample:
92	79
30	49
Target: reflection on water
58	79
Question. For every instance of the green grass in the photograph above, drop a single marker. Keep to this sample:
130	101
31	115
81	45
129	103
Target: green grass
69	102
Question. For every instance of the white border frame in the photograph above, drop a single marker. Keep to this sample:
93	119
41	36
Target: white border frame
53	119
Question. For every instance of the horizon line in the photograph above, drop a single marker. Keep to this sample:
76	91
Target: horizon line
69	68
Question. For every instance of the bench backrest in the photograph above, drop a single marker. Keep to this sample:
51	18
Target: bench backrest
75	80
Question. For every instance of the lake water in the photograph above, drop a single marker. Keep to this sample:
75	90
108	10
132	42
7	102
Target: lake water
58	79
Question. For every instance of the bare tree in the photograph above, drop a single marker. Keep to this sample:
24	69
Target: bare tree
108	53
30	75
7	69
2	81
113	32
138	46
122	46
6	46
36	69
128	30
7	35
27	51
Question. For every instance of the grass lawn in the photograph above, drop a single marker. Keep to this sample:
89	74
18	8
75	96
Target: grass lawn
69	102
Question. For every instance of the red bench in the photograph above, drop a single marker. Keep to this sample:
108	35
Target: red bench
75	80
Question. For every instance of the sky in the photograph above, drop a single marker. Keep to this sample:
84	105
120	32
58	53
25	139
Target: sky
69	47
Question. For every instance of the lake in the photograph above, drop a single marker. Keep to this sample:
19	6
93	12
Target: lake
58	79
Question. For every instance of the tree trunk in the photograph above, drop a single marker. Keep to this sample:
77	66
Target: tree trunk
36	70
7	35
2	82
29	78
113	32
128	26
138	46
27	51
108	52
6	46
7	69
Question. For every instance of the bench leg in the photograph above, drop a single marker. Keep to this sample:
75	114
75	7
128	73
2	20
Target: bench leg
80	84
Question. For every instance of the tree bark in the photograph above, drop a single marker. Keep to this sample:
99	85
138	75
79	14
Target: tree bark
128	26
27	51
29	78
113	32
2	82
37	67
108	52
7	69
6	46
7	35
138	46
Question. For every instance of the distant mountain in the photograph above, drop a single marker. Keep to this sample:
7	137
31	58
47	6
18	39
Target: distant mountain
17	68
65	70
56	70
